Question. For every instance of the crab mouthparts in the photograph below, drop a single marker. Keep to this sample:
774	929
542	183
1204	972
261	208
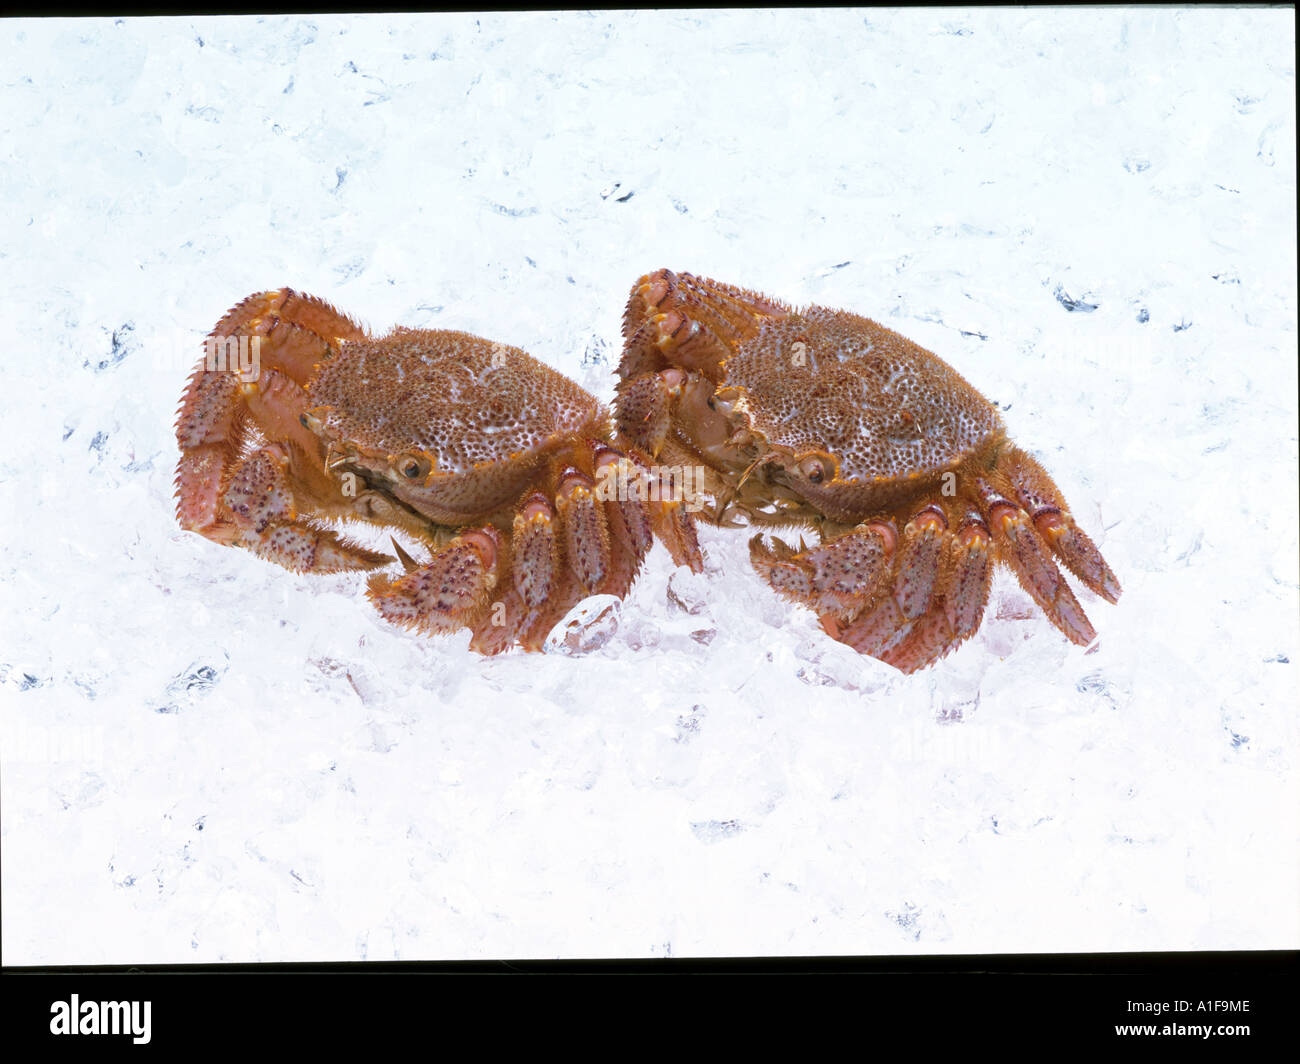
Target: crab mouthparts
338	456
780	468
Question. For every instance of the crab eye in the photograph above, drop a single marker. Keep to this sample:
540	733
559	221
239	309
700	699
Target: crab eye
814	469
412	466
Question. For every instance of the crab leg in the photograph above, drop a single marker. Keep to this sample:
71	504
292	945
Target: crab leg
580	543
210	428
674	526
1043	501
967	592
924	632
536	579
924	642
630	525
938	587
918	564
889	625
650	503
561	548
875	631
960	596
630	531
1023	548
586	538
907	604
536	551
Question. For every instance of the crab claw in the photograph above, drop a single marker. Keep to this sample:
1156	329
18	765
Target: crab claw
226	489
450	591
260	503
838	578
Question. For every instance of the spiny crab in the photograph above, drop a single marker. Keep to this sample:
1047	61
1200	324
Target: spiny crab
488	457
820	419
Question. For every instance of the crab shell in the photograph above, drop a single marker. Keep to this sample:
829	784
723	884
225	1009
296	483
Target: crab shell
451	425
841	413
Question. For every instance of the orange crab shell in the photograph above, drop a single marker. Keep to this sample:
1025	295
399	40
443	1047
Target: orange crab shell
854	408
455	424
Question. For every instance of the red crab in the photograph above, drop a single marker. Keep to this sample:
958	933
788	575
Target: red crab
822	419
490	458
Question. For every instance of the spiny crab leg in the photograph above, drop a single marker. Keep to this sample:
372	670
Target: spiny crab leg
1043	501
1023	548
586	536
211	426
957	595
631	526
646	408
971	568
672	524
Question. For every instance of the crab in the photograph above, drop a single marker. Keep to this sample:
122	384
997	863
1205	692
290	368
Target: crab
490	459
821	419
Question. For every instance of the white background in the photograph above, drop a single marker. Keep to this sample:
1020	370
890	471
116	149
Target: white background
208	758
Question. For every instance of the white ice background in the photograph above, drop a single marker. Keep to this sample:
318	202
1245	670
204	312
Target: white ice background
1090	213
